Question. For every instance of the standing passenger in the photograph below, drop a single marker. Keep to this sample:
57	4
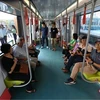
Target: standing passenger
4	31
1	35
44	34
64	32
14	31
54	32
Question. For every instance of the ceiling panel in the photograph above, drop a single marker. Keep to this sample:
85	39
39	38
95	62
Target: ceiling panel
49	9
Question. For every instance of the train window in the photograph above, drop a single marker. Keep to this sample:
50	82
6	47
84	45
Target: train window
8	28
95	27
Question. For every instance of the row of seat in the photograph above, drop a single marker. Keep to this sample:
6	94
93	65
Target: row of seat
8	82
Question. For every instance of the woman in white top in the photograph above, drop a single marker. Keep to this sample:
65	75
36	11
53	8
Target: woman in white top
14	31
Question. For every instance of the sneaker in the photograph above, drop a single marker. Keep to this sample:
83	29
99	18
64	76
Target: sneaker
63	68
42	47
47	47
70	81
31	91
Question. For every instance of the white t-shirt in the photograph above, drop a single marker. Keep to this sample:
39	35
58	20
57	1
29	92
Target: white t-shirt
4	31
1	33
19	51
14	31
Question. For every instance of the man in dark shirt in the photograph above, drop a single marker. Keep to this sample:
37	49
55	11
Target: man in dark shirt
44	32
54	32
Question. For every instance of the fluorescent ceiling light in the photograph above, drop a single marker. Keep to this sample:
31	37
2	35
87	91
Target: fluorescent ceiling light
33	8
73	6
27	2
37	13
63	12
40	17
81	0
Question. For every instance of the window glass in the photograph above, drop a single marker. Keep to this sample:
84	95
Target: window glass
95	27
8	28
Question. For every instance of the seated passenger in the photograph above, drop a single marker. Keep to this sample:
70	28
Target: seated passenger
73	52
78	57
12	68
92	64
20	53
32	50
70	46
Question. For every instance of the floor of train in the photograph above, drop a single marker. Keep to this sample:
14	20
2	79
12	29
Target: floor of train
51	81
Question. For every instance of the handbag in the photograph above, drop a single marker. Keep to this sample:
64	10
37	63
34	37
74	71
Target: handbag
23	68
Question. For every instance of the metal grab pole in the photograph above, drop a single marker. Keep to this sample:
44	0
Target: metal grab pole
24	30
66	27
61	30
30	24
91	17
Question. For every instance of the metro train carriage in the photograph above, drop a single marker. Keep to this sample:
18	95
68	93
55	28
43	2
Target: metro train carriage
49	49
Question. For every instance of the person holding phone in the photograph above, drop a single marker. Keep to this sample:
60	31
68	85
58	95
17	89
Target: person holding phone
78	57
92	64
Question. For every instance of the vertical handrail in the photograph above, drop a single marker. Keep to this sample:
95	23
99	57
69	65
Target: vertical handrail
30	24
88	35
24	30
66	26
61	29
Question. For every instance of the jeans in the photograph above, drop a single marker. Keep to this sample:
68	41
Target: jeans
43	39
72	60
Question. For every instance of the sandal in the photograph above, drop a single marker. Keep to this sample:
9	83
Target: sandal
63	68
65	71
31	91
34	81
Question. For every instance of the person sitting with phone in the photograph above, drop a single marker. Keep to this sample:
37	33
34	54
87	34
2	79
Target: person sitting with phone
73	52
33	51
92	65
78	56
69	46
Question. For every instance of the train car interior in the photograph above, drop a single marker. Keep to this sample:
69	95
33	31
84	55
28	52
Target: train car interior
50	49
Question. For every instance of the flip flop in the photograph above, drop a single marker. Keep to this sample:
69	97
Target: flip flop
31	91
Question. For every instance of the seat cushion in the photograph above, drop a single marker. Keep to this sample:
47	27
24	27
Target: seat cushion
95	77
10	83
